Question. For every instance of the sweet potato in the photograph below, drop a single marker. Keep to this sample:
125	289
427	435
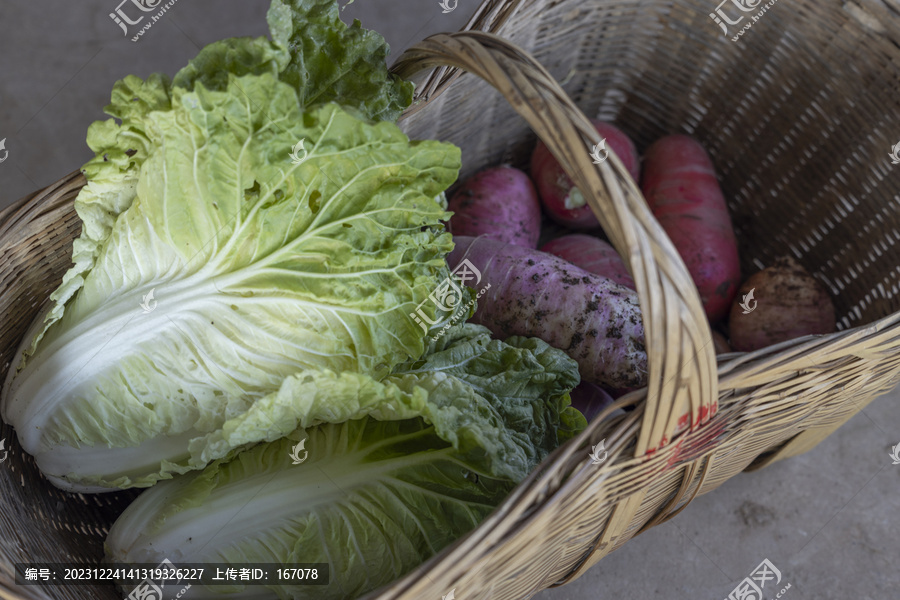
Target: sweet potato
499	202
593	319
591	400
780	303
720	343
563	201
680	185
591	254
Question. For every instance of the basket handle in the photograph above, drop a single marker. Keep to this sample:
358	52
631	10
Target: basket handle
490	16
682	366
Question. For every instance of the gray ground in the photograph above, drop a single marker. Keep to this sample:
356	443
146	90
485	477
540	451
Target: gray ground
829	520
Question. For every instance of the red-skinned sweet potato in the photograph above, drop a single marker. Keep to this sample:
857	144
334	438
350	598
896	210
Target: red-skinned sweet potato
591	254
594	320
563	201
499	202
680	186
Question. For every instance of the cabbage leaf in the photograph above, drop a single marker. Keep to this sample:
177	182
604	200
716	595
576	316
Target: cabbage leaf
371	498
231	269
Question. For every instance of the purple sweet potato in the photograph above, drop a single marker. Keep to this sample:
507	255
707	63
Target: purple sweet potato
591	254
593	319
499	202
591	400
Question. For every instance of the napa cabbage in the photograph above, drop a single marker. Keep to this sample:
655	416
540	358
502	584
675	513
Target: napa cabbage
214	262
371	498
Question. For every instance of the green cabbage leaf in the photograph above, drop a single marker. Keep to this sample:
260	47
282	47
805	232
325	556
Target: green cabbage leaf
232	268
370	497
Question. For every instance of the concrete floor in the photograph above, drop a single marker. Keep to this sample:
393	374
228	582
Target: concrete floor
828	520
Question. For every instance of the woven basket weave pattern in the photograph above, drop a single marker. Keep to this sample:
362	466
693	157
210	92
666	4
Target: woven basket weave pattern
794	117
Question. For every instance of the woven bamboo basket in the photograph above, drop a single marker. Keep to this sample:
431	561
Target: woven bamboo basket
794	116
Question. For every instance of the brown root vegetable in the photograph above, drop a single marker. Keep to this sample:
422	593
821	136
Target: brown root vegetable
720	343
777	304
